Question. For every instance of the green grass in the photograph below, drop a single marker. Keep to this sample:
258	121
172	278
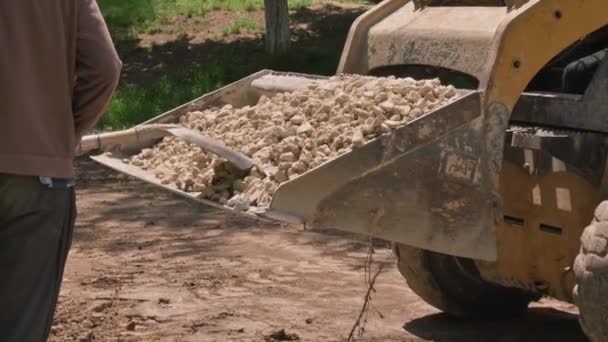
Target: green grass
213	66
241	25
131	17
135	103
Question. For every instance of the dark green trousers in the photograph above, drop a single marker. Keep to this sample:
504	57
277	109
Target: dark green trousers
36	225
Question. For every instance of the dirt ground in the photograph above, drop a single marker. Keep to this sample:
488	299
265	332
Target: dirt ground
148	266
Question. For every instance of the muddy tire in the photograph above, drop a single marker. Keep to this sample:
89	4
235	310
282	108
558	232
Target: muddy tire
591	270
455	286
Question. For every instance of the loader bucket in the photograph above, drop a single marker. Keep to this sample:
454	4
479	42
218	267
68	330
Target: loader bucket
426	185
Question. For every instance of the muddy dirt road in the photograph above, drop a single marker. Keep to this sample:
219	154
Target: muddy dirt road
147	266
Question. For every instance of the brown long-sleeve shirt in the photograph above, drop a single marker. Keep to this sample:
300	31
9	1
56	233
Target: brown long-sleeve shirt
58	70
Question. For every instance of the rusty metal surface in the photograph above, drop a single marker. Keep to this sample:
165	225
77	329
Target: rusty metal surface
415	186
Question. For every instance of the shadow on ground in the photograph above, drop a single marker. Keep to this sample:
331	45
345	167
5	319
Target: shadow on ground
539	324
127	206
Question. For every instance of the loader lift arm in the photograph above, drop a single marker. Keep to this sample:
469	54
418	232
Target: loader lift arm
531	36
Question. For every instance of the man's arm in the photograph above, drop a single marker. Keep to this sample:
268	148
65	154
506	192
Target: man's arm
97	68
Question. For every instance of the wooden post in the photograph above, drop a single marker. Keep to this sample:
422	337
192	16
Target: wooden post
277	26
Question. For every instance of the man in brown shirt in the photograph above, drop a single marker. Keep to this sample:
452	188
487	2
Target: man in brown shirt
58	69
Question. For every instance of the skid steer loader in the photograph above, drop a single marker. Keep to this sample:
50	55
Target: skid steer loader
487	200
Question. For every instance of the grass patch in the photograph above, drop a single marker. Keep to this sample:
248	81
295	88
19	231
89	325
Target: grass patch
241	25
167	76
136	103
131	17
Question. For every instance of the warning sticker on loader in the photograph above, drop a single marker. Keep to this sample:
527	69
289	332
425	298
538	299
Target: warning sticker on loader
458	166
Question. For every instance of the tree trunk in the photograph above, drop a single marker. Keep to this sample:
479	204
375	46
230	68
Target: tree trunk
277	26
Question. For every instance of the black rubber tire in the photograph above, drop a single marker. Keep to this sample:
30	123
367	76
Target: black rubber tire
591	270
454	285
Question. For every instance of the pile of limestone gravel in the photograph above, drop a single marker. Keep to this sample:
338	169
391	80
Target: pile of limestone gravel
288	134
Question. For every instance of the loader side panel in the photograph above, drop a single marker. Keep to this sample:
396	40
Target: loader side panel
539	237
